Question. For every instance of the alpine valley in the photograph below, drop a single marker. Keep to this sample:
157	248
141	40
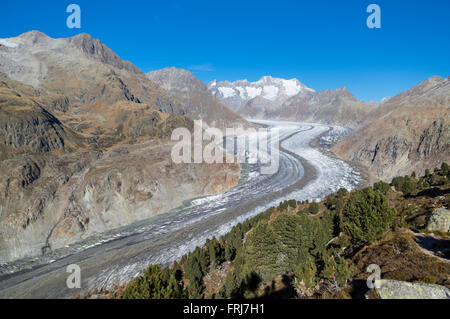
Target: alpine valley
87	178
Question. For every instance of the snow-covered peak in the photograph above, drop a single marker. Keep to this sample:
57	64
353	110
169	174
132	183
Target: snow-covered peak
269	88
265	80
293	87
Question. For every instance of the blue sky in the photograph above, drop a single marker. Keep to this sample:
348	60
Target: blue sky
325	44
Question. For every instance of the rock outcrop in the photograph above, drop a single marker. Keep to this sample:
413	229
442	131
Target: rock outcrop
439	220
26	126
47	202
393	289
97	50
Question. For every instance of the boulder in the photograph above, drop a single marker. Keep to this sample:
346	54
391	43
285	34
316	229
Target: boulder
439	220
393	289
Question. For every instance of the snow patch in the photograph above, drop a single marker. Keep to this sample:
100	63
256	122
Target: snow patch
227	92
270	92
253	92
8	43
291	87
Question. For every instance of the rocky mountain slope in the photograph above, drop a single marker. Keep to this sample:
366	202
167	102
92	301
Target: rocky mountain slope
27	127
89	83
87	86
84	145
195	95
409	132
334	107
279	99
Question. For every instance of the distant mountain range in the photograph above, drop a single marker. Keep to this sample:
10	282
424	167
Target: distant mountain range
280	99
257	99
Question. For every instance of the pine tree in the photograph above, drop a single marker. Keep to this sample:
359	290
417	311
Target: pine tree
367	216
307	272
262	251
214	251
313	208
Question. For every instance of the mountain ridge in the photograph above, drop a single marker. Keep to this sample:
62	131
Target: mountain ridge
281	99
409	132
194	93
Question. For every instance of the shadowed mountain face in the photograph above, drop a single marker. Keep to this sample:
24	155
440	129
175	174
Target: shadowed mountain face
409	132
27	127
195	95
279	99
84	145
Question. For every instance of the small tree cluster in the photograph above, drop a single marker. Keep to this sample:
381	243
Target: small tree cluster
155	283
404	184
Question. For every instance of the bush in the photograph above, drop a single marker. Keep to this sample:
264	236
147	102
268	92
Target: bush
428	280
444	168
313	208
343	241
367	216
404	184
337	268
292	203
230	289
382	187
342	192
307	272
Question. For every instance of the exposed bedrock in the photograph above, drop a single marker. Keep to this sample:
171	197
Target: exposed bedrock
52	201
